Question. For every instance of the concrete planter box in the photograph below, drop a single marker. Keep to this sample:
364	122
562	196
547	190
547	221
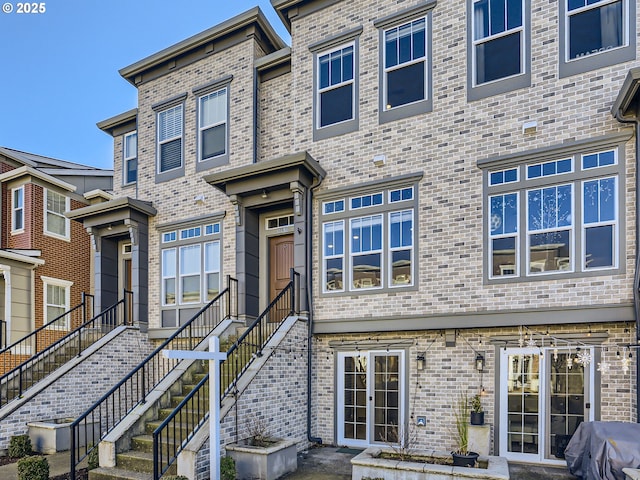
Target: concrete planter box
51	436
368	464
264	463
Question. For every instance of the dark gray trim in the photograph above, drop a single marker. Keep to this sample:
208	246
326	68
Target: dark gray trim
570	147
416	108
274	65
598	60
209	87
289	10
504	85
627	95
405	15
506	318
190	222
209	163
169	102
175	172
119	124
367	187
347	126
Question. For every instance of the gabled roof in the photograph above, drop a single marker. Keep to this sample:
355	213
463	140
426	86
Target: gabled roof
51	164
251	18
28	171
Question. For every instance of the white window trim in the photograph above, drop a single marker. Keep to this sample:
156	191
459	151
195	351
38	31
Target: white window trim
386	70
391	249
58	283
474	43
127	159
201	128
585	226
164	277
205	272
331	257
568	14
167	140
379	251
320	91
571	229
67	222
371	195
200	246
504	235
15	209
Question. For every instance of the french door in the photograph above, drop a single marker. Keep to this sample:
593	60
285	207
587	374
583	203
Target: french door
370	397
544	396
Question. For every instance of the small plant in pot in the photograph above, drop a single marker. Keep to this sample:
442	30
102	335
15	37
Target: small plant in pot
462	457
477	414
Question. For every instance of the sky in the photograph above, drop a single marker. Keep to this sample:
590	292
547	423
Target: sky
59	68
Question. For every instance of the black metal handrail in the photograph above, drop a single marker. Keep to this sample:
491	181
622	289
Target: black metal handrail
16	381
39	339
170	437
133	389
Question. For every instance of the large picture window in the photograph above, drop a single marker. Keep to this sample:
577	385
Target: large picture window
570	223
379	250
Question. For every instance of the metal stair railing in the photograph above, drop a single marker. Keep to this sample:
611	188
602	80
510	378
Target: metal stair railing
11	356
133	389
169	438
14	383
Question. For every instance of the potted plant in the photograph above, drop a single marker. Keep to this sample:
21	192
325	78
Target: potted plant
462	457
477	414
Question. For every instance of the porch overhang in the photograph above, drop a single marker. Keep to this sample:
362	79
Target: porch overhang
113	212
625	107
269	175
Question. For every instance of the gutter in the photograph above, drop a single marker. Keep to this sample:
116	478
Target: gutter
309	282
636	277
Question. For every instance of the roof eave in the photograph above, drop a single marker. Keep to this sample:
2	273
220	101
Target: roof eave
110	124
627	94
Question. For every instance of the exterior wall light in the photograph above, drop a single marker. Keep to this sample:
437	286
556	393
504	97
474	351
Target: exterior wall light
479	362
420	359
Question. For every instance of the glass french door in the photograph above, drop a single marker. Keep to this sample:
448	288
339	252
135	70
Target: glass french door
369	397
543	398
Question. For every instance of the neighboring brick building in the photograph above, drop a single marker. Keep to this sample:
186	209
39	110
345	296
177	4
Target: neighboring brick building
455	182
45	259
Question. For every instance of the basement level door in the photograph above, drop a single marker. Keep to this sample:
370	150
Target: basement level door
370	395
543	399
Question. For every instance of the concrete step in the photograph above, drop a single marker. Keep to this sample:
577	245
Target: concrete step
118	474
165	412
180	428
144	443
137	461
176	399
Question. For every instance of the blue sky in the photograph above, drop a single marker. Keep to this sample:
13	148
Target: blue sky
59	69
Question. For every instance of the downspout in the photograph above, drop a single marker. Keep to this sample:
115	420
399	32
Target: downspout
310	308
636	277
255	115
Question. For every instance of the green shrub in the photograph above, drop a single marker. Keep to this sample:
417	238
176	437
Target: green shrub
227	468
33	468
20	446
93	458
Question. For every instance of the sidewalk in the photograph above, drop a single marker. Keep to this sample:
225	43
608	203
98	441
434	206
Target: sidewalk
58	465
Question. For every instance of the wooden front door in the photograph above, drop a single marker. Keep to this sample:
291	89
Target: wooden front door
280	263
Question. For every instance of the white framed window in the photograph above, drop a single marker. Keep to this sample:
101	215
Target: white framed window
364	201
334	206
500	177
55	222
190	262
212	124
130	158
57	300
170	138
336	86
568	225
405	64
17	210
401	195
594	27
169	276
168	237
212	269
401	248
498	49
366	252
333	253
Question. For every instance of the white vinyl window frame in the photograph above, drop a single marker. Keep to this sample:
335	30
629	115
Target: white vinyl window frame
185	273
178	110
335	286
343	83
168	273
402	280
130	156
66	235
17	210
211	266
613	223
515	235
203	127
65	285
363	253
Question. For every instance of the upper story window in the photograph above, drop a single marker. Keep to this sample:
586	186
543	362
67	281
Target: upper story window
17	209
130	158
55	222
565	222
335	85
370	251
57	295
405	58
212	125
170	139
595	34
499	46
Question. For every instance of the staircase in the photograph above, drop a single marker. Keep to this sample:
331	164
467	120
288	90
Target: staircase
137	463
